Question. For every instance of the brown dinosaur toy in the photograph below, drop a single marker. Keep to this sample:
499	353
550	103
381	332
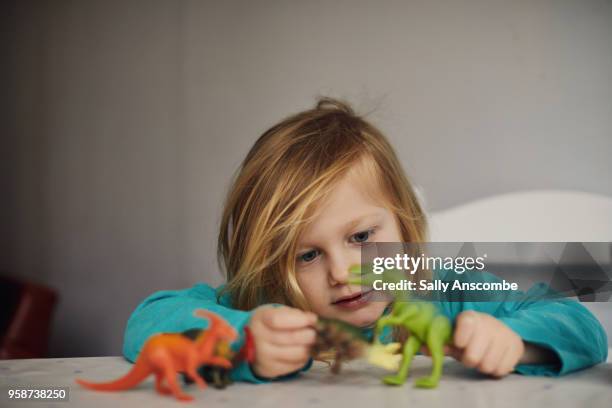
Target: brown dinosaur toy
167	354
338	341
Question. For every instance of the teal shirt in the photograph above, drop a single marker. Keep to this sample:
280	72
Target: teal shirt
561	325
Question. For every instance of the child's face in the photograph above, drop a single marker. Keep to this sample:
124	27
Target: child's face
331	244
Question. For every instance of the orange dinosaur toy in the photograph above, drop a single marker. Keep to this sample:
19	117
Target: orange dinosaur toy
167	354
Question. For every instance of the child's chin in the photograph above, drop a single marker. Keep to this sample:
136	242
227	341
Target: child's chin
365	317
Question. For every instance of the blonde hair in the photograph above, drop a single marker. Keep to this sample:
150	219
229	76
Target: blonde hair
287	172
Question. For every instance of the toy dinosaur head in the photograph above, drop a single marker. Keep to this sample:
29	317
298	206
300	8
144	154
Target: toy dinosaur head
217	327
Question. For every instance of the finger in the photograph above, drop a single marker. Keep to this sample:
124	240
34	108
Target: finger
288	318
492	357
507	363
475	350
294	355
465	328
286	354
296	337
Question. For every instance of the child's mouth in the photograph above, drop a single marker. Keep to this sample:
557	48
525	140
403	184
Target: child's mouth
354	301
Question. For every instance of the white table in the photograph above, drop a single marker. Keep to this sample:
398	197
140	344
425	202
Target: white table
358	386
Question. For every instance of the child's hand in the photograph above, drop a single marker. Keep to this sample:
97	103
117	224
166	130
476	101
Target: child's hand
485	343
283	337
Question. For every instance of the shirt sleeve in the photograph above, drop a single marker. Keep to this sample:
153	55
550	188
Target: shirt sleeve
171	311
563	326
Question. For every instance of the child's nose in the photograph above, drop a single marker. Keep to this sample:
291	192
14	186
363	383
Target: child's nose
339	269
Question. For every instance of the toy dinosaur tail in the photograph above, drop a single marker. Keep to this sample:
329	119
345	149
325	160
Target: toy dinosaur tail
136	375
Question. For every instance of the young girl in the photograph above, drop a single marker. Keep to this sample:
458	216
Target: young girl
310	192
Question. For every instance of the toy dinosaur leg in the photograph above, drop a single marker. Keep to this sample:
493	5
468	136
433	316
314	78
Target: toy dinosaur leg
385	321
437	336
225	377
170	376
193	374
192	370
410	348
218	379
164	363
159	384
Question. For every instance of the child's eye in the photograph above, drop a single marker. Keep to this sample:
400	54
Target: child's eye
361	236
308	256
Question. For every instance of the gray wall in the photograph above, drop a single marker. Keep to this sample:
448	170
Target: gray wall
126	120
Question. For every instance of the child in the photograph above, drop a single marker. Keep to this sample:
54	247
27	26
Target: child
310	192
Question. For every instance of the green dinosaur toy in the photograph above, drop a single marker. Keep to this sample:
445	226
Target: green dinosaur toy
422	320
